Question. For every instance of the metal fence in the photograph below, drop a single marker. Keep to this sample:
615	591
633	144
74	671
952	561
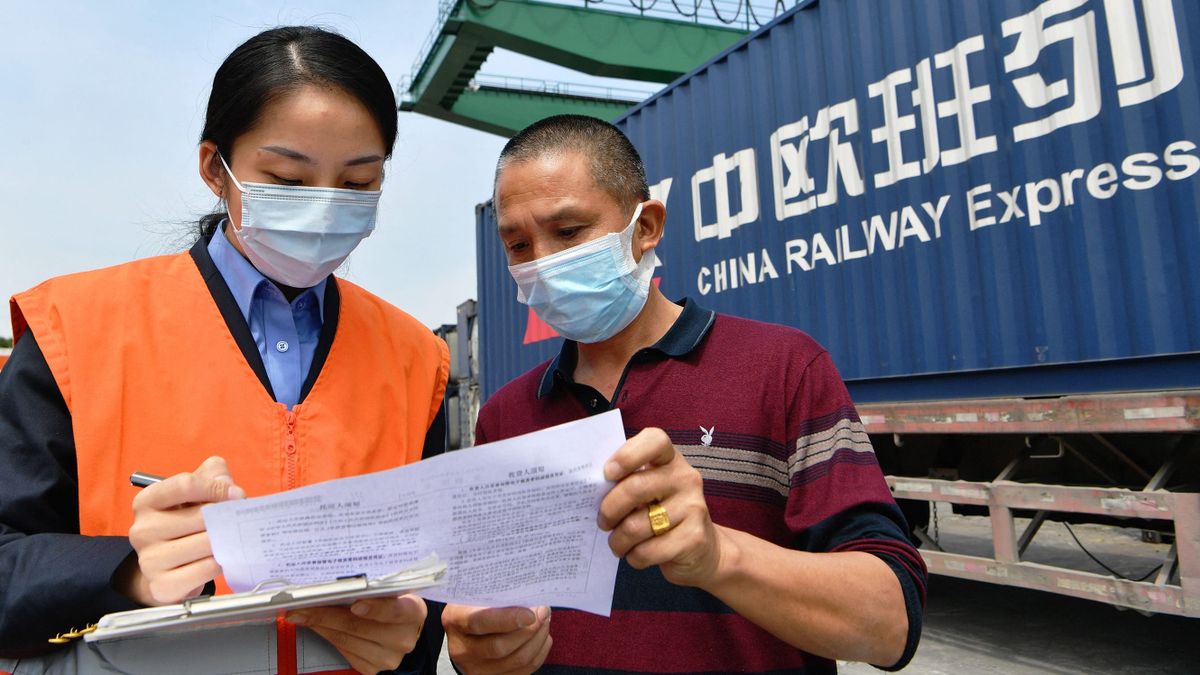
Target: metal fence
575	89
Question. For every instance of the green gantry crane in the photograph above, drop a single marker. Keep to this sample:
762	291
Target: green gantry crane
652	48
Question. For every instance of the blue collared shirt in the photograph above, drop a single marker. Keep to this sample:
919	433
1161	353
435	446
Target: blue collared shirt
286	333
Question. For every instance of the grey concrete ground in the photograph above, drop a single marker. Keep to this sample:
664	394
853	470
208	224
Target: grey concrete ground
973	627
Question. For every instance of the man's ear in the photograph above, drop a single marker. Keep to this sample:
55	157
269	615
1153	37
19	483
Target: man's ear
650	225
211	170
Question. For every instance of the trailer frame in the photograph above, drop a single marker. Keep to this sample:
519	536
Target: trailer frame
1176	587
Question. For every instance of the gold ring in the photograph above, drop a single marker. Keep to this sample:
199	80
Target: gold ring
660	522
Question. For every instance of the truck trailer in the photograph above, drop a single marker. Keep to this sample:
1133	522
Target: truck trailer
987	212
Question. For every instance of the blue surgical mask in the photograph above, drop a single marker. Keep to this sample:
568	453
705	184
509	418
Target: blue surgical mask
299	235
590	292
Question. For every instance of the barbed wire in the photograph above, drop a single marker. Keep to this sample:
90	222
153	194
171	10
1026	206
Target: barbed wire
742	13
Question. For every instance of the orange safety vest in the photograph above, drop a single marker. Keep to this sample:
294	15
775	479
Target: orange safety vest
155	382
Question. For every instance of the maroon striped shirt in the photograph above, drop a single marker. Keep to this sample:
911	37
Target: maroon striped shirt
761	412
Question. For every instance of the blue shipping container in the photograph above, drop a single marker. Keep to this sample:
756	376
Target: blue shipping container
958	198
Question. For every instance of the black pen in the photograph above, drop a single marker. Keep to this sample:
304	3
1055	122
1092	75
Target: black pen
141	479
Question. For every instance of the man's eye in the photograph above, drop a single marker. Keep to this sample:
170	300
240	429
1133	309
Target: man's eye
568	232
356	186
517	246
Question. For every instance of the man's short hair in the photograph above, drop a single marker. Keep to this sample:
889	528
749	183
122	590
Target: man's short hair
612	160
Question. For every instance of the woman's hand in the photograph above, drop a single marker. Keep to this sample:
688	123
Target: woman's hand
373	634
174	558
649	469
488	641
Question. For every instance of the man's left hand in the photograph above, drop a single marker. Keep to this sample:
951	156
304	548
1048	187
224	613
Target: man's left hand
649	469
373	634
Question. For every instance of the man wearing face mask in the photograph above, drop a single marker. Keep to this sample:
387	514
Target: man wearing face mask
755	528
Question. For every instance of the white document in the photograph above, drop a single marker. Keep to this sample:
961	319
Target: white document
514	520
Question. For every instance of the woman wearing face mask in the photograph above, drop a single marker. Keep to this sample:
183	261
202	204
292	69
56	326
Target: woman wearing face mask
241	367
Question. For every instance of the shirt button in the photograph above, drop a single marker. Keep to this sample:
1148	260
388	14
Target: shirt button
593	403
281	346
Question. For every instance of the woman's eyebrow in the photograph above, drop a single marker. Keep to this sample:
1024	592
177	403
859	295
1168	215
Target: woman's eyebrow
288	152
292	154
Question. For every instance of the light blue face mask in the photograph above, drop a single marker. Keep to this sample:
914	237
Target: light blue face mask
590	292
299	235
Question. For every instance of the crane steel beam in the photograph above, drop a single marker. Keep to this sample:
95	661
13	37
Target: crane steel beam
506	111
595	42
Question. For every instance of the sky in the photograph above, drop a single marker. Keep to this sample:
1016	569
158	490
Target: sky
101	107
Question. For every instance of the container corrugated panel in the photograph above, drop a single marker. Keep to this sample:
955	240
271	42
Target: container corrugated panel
955	198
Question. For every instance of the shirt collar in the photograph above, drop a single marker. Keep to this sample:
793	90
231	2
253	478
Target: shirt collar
685	335
244	278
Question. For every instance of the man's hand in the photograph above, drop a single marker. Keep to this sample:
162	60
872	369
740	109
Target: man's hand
174	558
497	640
373	634
647	469
812	601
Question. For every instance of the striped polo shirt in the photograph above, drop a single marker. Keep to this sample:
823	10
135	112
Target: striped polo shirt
761	412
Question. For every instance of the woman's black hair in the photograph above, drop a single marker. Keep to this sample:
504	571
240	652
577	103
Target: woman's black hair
277	61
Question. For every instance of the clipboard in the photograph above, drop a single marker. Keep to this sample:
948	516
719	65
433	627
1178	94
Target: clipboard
264	602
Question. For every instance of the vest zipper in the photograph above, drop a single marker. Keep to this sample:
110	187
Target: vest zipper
285	633
290	472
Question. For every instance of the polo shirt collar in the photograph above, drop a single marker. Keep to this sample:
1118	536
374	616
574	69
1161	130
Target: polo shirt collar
685	335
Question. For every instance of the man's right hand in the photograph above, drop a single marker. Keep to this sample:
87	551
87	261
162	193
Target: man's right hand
173	557
487	641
